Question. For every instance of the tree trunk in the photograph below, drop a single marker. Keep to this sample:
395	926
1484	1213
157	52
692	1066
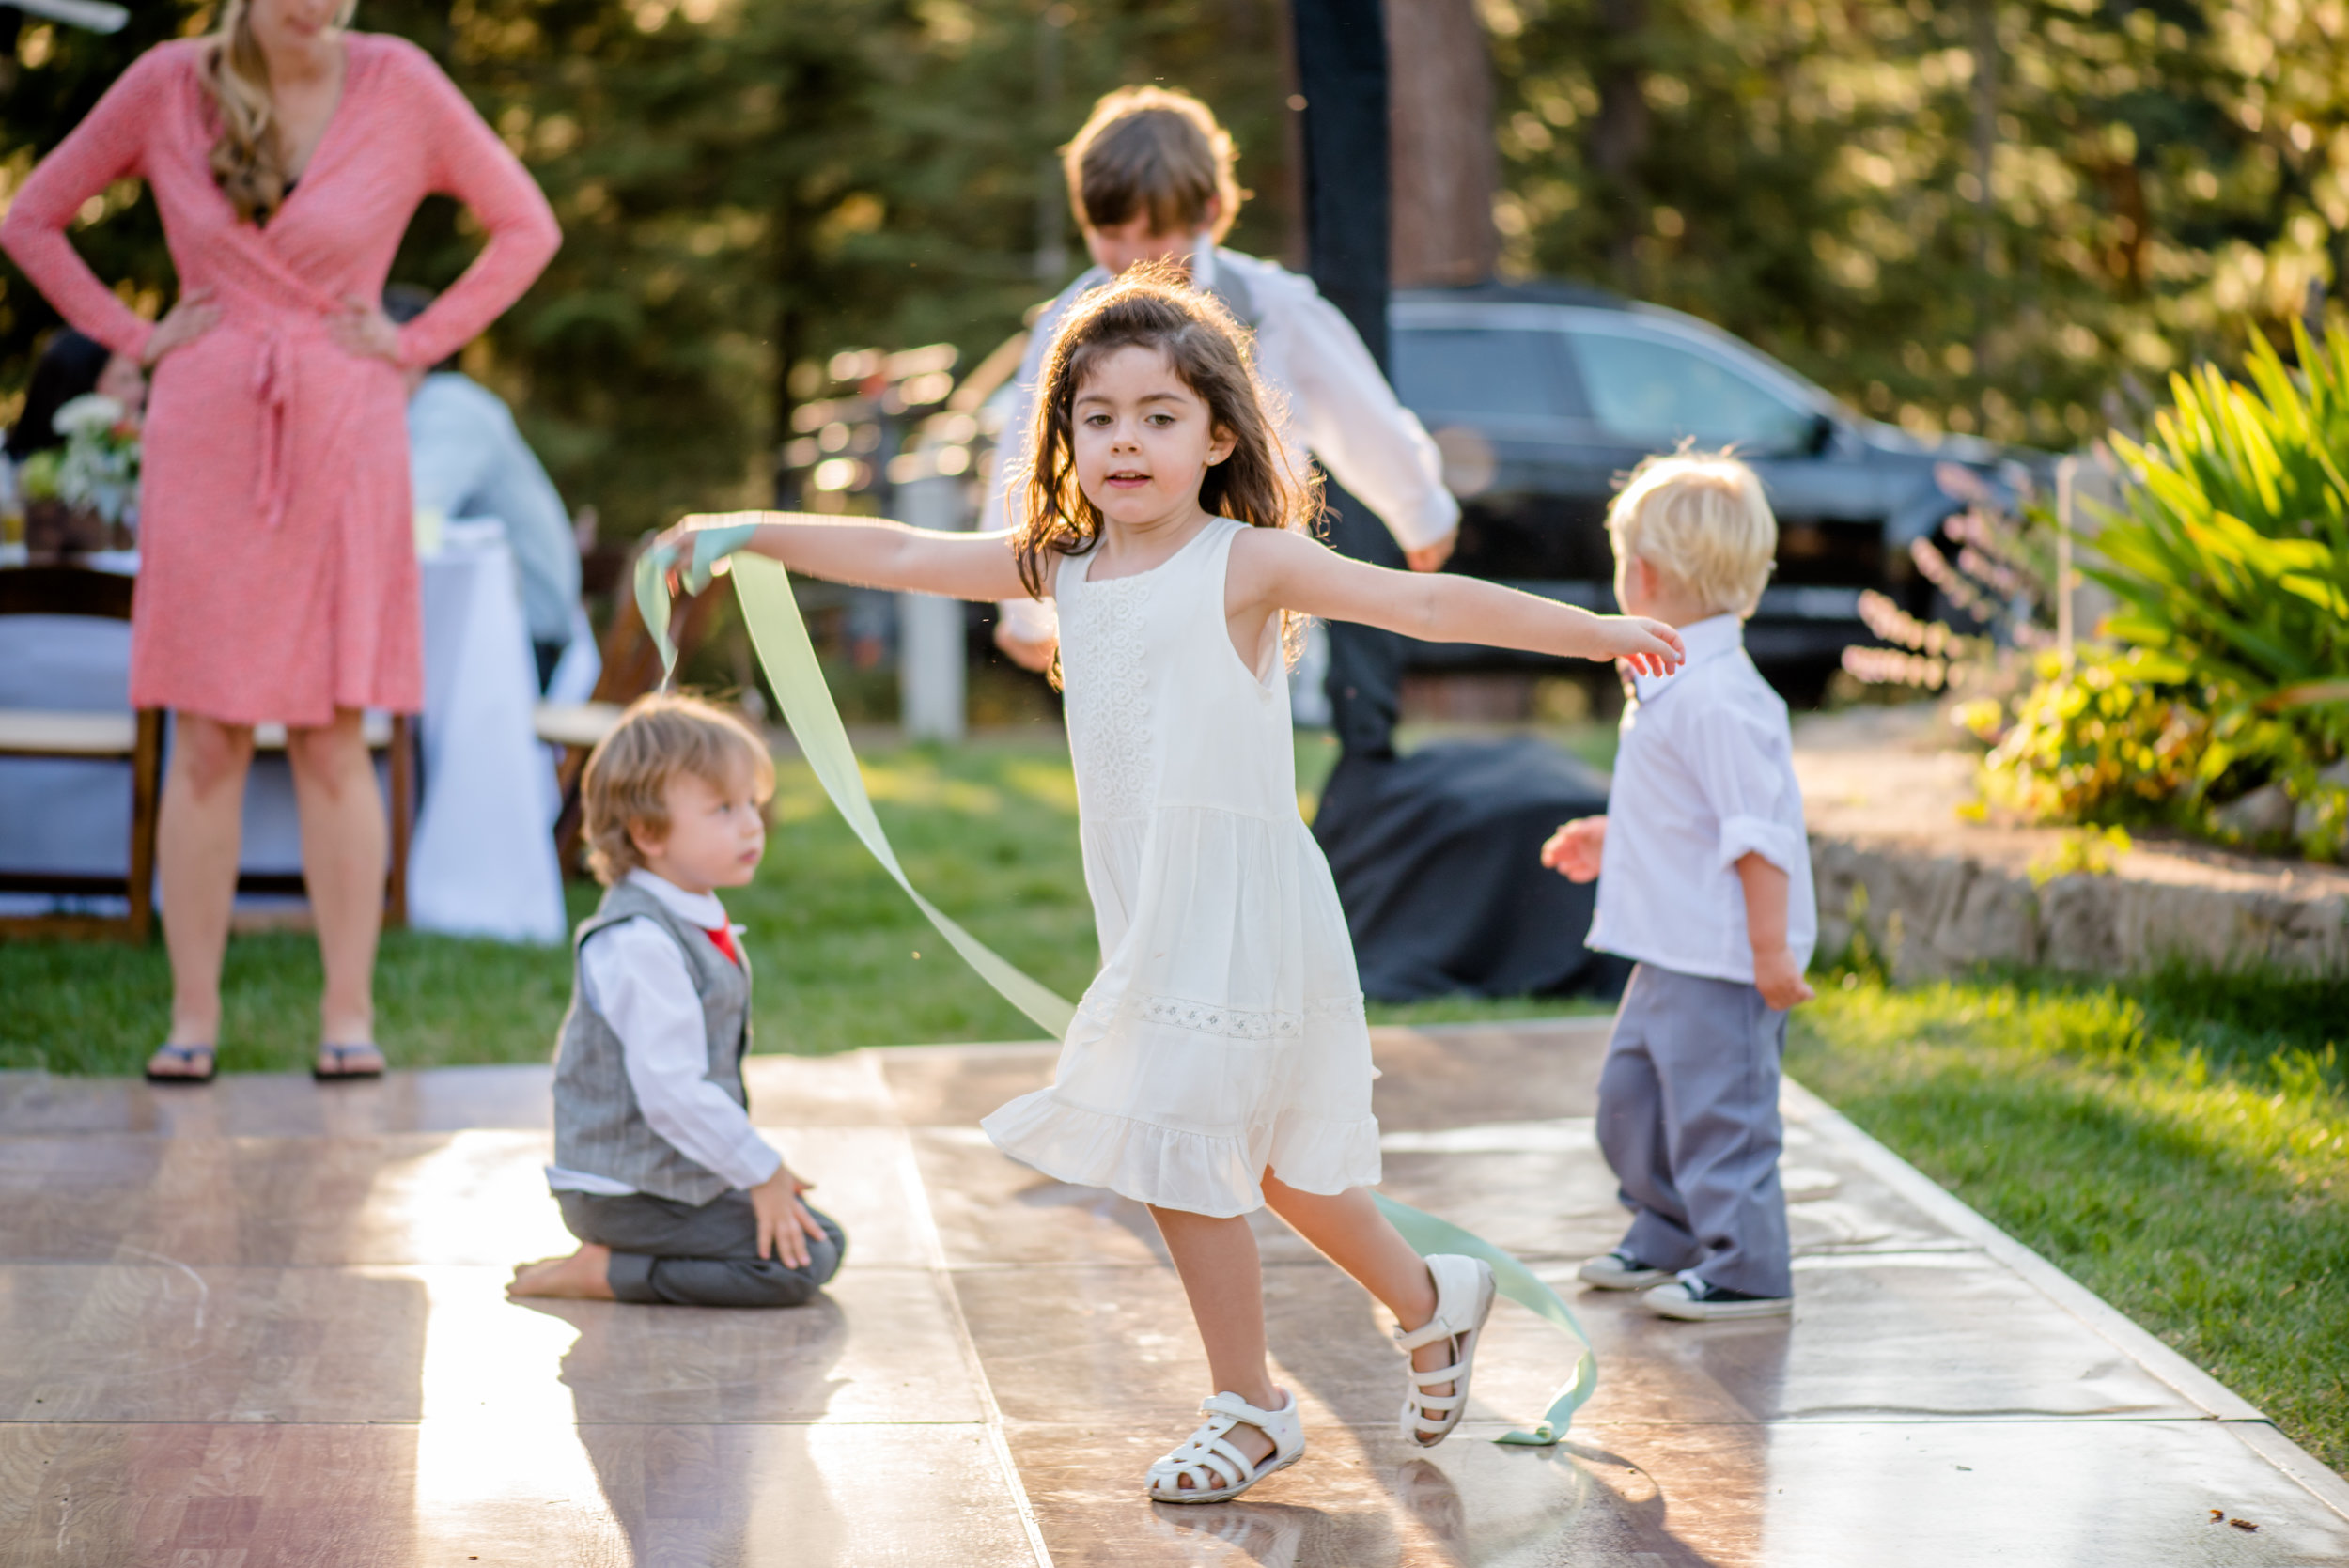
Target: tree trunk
1985	96
790	327
1446	166
1619	132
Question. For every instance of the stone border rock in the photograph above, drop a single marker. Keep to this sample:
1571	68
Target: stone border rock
1937	894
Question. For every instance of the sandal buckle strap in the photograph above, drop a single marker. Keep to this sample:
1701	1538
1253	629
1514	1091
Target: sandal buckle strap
1427	1333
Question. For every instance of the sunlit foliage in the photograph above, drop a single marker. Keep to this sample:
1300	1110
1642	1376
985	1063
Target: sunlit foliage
1811	175
746	185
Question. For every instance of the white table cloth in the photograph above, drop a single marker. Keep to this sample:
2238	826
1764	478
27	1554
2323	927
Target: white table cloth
481	861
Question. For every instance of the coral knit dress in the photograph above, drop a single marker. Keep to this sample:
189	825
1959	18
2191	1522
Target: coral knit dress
278	576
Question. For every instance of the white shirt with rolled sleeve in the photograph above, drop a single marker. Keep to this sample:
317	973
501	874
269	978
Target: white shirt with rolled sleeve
1334	403
1704	776
635	977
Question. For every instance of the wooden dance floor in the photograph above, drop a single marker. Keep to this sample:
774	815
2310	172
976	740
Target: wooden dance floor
262	1323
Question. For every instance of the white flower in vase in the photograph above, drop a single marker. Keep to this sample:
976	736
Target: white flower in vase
93	413
100	467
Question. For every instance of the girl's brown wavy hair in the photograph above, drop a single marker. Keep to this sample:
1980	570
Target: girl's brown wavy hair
1155	308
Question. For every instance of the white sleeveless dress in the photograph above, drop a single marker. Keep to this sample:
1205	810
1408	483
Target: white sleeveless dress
1224	1035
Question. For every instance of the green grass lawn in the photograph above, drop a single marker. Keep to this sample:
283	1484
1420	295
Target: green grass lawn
843	958
2179	1145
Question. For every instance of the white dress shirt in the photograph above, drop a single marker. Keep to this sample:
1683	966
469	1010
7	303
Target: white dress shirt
1704	776
1330	401
634	977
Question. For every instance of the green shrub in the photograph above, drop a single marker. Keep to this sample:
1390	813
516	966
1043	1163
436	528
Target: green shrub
2119	737
2230	556
2228	694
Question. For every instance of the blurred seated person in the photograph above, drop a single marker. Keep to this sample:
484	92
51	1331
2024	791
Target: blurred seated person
71	366
468	460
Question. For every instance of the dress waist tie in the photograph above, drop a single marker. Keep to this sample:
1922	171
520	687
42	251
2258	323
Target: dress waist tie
273	384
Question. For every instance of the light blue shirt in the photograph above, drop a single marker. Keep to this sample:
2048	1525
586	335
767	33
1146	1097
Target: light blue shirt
468	460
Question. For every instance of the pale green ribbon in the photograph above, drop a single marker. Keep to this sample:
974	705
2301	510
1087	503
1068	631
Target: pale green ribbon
788	658
1427	1233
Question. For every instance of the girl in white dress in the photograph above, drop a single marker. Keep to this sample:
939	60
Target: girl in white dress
1220	1062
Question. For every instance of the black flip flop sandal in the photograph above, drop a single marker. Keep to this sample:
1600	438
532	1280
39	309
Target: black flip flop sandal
341	1073
186	1054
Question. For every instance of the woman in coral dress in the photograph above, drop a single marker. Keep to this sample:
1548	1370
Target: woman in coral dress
277	574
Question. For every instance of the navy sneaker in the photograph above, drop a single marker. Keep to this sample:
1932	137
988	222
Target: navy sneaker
1696	1300
1620	1270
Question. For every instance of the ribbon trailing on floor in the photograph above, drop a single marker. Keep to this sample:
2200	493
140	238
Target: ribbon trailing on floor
788	658
1427	1233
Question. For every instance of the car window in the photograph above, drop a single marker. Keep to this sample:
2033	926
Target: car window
1650	391
1468	371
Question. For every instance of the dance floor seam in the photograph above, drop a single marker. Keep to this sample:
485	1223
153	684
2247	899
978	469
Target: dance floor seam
262	1323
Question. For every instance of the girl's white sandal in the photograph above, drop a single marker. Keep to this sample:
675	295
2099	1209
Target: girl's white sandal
1464	1298
1216	1468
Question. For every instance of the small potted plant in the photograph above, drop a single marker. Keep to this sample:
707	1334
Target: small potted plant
83	496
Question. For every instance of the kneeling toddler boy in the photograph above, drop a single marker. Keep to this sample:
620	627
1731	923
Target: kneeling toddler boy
673	1195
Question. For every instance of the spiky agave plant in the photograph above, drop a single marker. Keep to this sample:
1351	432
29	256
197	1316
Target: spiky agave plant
2229	554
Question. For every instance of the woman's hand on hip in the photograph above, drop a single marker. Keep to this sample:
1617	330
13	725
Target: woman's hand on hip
361	329
192	317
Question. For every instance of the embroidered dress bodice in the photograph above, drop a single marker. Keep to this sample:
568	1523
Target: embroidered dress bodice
1225	1033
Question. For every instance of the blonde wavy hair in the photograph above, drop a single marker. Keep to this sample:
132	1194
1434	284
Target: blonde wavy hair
248	163
1155	308
1700	517
627	779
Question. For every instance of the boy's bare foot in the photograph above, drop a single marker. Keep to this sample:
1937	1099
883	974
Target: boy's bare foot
581	1277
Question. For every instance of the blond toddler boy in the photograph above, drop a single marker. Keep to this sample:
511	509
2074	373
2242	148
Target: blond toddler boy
673	1195
1705	882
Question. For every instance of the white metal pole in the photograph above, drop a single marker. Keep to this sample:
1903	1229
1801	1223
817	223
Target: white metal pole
930	629
2064	472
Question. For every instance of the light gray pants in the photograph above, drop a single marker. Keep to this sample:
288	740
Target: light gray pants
1687	1116
697	1256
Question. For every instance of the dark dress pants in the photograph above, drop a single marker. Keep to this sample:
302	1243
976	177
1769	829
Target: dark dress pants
697	1256
1687	1118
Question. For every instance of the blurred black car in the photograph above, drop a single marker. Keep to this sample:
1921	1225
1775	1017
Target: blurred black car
1542	397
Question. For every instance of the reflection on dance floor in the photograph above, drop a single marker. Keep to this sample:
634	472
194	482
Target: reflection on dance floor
263	1322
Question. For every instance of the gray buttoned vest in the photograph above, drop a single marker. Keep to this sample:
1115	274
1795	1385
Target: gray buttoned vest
1228	286
598	1129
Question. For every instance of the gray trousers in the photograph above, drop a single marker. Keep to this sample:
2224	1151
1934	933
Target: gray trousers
707	1256
1687	1117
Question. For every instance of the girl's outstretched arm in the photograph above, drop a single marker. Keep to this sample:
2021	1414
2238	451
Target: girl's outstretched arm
1275	571
874	552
